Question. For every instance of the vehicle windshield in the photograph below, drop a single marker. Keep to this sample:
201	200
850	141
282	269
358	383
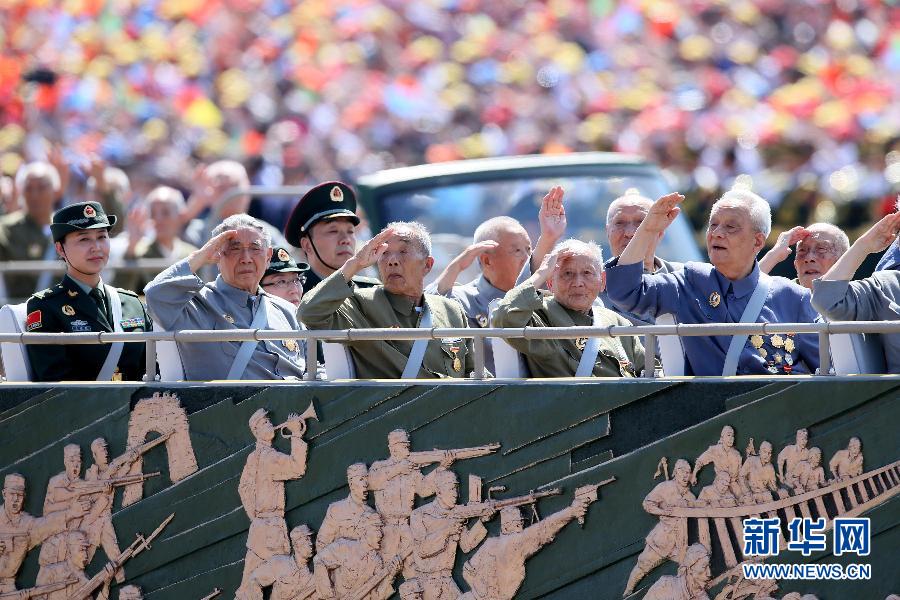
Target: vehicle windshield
452	212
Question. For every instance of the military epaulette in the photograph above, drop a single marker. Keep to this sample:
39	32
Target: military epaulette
365	280
129	292
49	292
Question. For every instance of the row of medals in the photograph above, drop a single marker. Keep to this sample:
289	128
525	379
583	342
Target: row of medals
785	361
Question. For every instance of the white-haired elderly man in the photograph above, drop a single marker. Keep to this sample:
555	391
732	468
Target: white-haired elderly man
730	290
818	247
178	298
874	298
25	234
575	275
208	200
402	252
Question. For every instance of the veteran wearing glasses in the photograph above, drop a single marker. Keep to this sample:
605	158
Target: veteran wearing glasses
730	290
177	297
818	247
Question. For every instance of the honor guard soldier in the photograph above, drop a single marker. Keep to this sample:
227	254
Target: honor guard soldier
403	254
284	277
323	225
81	302
730	290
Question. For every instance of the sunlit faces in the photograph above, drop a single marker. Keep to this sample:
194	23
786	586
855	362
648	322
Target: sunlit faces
244	259
403	266
814	256
731	241
623	222
577	282
86	250
335	242
503	264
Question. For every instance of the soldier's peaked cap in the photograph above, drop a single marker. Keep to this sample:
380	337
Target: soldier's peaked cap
14	481
78	217
329	200
282	262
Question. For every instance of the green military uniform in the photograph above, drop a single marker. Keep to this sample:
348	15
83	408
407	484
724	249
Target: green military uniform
329	200
335	304
68	308
22	239
524	305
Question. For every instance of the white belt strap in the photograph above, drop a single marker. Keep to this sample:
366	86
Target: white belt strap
414	362
751	313
260	321
115	349
591	349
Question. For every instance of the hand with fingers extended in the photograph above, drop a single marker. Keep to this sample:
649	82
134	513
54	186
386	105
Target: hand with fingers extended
881	235
468	256
549	265
368	254
552	215
212	251
782	248
662	213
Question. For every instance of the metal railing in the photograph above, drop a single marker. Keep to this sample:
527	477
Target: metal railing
650	333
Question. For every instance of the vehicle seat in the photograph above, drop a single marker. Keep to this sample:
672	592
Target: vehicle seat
15	359
508	363
169	359
338	362
671	351
853	353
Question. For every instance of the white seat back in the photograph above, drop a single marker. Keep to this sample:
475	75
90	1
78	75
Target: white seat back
671	351
508	363
15	358
169	359
854	353
338	362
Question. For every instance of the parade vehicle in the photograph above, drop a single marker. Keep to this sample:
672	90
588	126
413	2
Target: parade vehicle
477	488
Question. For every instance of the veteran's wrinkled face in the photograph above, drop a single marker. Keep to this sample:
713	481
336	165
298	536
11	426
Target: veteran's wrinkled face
624	221
731	240
86	251
403	267
577	282
13	500
503	264
335	241
244	260
814	256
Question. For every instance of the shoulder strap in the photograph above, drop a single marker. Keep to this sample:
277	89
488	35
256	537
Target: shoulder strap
115	349
591	349
751	313
414	363
242	359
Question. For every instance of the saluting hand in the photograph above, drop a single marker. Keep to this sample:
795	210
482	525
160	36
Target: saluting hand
662	213
552	215
881	235
368	255
549	265
211	251
468	256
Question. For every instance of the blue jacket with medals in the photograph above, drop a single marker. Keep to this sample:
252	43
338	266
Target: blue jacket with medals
700	294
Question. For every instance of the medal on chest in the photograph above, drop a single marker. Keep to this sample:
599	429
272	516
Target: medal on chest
457	364
581	343
290	344
68	310
715	299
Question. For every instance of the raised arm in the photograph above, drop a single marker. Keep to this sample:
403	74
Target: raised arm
552	217
463	261
782	248
876	239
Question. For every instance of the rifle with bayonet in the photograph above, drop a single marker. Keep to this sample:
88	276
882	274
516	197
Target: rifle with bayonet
105	576
588	494
365	588
99	486
38	590
490	507
131	454
427	457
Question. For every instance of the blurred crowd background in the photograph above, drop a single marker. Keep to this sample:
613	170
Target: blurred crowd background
799	97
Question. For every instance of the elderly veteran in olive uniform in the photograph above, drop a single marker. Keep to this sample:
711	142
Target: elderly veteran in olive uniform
574	274
25	234
504	253
81	302
403	255
623	217
284	277
818	247
875	298
730	290
323	225
179	299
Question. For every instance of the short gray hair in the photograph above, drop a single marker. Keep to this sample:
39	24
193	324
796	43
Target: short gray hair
243	221
841	241
491	229
760	211
631	197
415	231
166	195
40	170
589	249
230	169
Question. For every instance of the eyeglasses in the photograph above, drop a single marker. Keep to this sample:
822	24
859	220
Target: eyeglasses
819	250
285	283
253	250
